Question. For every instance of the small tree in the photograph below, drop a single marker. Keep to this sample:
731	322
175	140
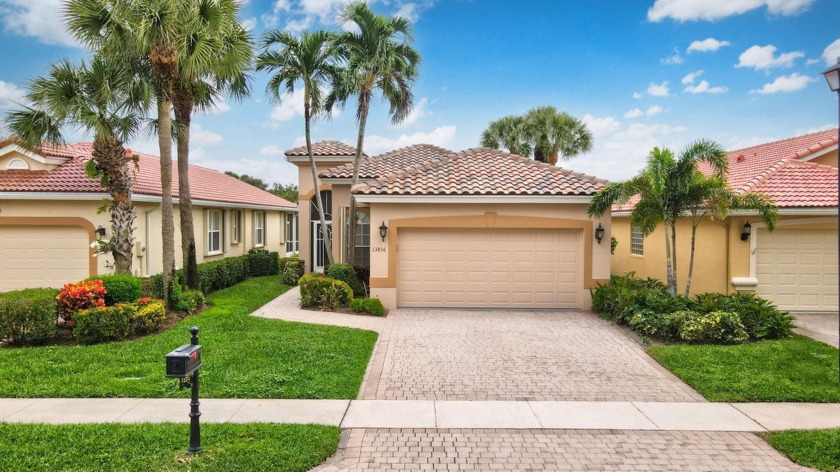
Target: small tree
543	133
508	132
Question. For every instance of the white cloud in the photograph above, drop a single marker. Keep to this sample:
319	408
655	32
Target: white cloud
689	78
441	136
634	113
299	141
831	53
711	10
601	126
290	106
417	112
201	137
10	95
658	90
654	110
675	59
704	87
42	19
272	150
763	57
219	106
707	45
785	84
249	23
637	95
408	11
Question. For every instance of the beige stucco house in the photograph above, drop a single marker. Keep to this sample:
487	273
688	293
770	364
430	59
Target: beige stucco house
795	266
477	228
49	217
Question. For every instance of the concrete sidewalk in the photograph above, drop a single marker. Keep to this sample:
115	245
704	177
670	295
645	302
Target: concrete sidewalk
653	416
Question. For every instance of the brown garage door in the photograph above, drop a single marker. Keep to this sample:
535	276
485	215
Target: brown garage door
489	268
42	256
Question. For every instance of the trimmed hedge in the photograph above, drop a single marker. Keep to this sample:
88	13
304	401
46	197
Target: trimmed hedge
347	274
148	316
120	288
28	317
109	323
292	269
371	306
262	262
318	290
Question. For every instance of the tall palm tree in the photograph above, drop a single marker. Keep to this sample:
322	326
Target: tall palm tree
104	98
508	132
666	194
218	54
556	134
309	59
379	56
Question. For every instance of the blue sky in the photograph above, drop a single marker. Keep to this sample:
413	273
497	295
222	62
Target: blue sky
640	73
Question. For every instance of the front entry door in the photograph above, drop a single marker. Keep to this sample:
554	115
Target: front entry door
319	251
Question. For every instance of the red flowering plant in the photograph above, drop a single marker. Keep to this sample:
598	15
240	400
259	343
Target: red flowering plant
144	301
80	296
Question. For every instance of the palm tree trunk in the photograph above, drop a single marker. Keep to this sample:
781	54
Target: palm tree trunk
673	225
691	260
110	157
669	270
167	223
364	106
184	102
325	234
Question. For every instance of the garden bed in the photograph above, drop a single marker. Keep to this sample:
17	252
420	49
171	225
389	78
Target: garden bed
244	357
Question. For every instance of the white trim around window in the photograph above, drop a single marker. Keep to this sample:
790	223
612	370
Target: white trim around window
235	226
637	241
292	243
215	232
259	229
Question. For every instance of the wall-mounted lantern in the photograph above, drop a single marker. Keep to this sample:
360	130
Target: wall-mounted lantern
599	233
745	234
100	232
383	231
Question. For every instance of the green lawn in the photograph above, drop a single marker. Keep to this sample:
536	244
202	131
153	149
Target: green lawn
244	357
796	369
819	448
162	447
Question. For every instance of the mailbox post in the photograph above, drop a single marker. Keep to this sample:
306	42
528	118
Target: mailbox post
183	363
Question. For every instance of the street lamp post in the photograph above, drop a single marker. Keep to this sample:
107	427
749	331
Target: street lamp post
832	76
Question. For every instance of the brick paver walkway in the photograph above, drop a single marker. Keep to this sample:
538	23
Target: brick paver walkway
514	355
375	450
287	307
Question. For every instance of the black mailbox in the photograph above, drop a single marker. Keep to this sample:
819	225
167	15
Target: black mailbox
184	361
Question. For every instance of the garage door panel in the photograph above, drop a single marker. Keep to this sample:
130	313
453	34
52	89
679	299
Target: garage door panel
797	268
42	256
489	268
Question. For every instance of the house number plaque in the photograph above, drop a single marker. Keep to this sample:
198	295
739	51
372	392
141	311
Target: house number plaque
379	249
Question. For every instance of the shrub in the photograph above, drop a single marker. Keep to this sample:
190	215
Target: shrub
317	290
657	324
717	327
347	274
148	315
224	273
151	287
760	317
363	274
616	300
292	269
80	296
659	301
188	301
120	288
262	262
110	323
372	306
28	317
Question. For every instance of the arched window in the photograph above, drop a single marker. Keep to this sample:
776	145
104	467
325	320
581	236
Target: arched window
17	164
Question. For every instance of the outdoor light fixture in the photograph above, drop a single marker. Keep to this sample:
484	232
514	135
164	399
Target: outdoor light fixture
383	231
745	234
599	233
100	231
832	77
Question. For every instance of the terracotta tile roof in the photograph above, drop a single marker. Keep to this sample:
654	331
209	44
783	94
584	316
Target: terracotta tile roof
205	184
325	148
481	171
388	163
779	170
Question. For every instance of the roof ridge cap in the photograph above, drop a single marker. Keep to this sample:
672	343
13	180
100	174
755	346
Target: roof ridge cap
753	183
784	140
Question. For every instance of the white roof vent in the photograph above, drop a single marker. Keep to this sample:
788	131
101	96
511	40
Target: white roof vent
17	164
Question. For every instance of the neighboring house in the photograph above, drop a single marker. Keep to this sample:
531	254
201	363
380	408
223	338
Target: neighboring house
49	216
478	228
795	266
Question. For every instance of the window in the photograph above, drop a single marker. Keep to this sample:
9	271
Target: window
637	240
362	254
259	228
236	223
292	233
214	231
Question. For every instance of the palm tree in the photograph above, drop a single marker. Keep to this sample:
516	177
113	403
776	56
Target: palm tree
104	98
309	59
508	132
666	194
555	135
378	56
219	53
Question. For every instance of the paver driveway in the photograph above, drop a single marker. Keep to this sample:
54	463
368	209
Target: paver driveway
514	355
